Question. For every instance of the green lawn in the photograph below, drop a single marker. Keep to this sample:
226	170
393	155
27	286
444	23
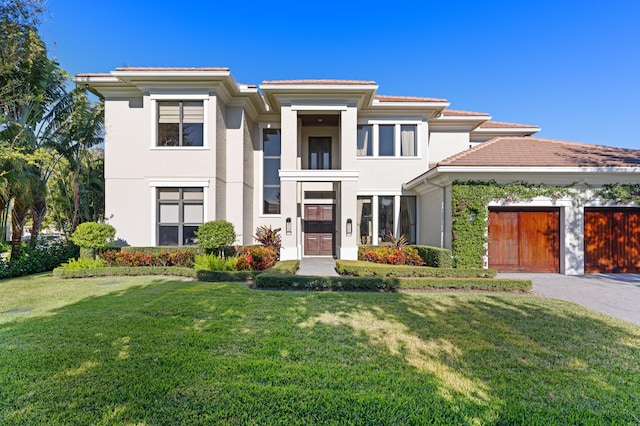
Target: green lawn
156	351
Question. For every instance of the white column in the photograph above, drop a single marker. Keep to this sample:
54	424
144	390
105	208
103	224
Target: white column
235	170
288	188
348	208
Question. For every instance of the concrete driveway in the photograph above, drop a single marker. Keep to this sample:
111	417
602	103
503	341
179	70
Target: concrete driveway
617	295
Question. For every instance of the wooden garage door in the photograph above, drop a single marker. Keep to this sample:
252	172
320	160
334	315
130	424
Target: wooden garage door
319	227
611	240
524	240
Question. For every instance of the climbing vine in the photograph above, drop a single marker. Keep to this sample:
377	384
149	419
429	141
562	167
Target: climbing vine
620	192
469	205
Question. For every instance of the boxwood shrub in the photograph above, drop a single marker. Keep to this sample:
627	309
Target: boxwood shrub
125	270
368	269
435	256
42	258
272	280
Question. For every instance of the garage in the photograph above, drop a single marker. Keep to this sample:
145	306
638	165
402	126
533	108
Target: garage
611	240
524	240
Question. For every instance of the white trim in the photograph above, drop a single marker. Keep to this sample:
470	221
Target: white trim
180	96
317	107
319	175
179	183
179	148
536	169
382	192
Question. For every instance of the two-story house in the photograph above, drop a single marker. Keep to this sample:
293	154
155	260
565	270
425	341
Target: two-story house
330	162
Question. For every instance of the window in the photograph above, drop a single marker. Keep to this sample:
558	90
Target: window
271	146
365	220
180	123
385	218
180	212
408	218
386	142
365	141
319	153
408	140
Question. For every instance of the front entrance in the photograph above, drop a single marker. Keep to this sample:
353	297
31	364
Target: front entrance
319	229
524	240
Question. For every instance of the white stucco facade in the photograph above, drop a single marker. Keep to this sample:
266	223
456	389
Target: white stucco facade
330	162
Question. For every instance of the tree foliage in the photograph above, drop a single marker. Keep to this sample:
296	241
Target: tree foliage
94	236
216	236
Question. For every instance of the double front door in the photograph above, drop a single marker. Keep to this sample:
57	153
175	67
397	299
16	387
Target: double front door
319	229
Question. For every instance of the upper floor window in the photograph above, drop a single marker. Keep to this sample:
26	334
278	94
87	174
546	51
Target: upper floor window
408	140
180	123
271	149
386	140
319	153
365	141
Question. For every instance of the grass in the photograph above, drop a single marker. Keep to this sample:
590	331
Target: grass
154	350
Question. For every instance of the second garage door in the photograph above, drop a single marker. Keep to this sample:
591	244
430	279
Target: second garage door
611	240
524	240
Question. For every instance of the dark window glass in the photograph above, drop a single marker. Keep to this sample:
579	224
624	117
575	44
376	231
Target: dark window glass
192	134
365	141
271	164
386	140
319	153
385	218
168	236
180	123
180	212
408	218
271	167
189	235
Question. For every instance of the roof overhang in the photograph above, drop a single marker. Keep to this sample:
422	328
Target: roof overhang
278	95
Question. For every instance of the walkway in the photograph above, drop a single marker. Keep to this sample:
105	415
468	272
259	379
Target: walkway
617	295
318	266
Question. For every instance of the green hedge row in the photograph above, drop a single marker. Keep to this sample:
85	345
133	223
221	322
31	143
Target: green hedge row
368	269
271	280
124	270
435	257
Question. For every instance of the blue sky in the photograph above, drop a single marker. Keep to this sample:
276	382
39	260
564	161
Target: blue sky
570	67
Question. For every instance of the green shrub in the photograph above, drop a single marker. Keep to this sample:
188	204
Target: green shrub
42	258
213	262
83	263
285	267
369	269
390	255
435	256
93	236
273	280
215	236
221	276
128	271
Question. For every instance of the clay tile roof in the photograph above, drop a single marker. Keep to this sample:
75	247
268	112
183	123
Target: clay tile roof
503	125
387	98
164	69
457	113
538	152
326	82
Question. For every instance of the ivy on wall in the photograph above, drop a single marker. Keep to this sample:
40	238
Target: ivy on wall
620	193
469	205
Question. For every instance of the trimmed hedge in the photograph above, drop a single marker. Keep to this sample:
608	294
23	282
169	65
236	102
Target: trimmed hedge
286	267
125	270
209	276
270	280
435	256
42	258
369	269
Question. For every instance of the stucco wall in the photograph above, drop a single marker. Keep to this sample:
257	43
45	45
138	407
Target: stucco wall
445	144
430	217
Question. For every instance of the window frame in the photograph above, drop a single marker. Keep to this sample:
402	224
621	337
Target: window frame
397	139
263	209
155	98
180	202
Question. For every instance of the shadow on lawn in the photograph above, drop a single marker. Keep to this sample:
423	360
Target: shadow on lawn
220	353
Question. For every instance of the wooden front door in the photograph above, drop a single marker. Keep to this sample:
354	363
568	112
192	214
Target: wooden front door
524	241
319	225
611	240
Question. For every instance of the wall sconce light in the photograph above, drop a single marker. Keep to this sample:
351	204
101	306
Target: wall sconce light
288	226
472	217
349	227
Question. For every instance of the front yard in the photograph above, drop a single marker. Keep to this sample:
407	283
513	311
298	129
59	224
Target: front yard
154	350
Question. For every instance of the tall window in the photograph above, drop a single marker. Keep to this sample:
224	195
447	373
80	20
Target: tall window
319	153
181	123
365	141
365	220
271	165
408	140
180	212
386	142
408	218
385	218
